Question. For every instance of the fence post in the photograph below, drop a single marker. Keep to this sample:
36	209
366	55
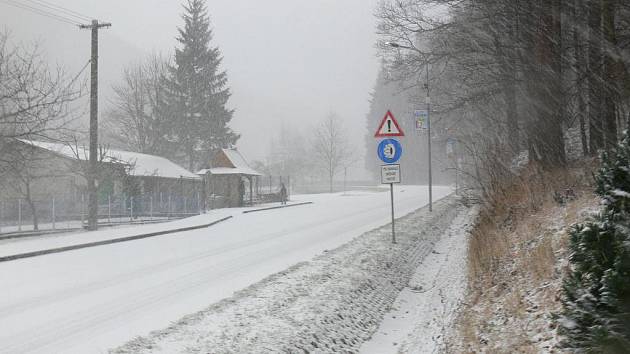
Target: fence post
19	214
53	213
1	210
198	204
131	208
109	208
185	206
123	207
270	177
81	208
151	208
168	214
345	173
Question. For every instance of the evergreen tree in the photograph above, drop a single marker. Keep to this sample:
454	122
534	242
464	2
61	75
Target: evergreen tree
198	90
596	316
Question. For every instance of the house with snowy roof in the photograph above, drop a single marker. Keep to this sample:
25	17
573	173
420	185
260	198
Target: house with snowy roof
59	169
229	181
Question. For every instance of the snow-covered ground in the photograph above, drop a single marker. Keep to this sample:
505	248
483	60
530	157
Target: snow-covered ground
425	311
331	304
92	299
31	244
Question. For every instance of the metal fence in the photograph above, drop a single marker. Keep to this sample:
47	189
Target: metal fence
20	215
70	212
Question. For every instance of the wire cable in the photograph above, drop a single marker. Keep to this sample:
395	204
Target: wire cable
41	12
60	9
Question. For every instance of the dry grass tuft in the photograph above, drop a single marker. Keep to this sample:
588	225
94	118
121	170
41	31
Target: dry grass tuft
540	260
516	253
504	213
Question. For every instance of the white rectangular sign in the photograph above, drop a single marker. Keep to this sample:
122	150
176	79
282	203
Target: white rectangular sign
390	174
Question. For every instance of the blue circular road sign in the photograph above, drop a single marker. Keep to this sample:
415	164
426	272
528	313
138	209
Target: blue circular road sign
389	150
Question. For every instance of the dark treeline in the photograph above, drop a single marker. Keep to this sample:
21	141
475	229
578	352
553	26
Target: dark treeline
542	84
545	80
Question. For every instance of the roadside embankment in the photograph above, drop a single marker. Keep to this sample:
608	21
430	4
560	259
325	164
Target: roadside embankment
516	262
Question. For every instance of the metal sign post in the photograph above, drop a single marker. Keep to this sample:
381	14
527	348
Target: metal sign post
391	196
390	151
390	174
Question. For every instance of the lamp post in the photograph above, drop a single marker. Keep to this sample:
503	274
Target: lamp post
428	107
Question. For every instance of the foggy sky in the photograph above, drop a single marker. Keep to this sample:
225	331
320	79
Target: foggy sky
288	61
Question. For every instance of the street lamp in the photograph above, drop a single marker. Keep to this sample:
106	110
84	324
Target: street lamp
428	107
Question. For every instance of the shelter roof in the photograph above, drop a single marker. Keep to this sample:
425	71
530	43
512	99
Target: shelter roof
229	162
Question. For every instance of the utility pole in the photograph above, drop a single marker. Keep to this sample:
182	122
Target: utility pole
428	103
93	162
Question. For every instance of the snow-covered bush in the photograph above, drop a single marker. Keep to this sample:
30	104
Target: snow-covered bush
596	315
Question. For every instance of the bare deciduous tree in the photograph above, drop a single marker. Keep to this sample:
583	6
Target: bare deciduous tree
35	100
517	74
331	148
35	103
138	119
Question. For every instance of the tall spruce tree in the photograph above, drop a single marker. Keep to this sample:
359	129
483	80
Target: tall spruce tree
198	90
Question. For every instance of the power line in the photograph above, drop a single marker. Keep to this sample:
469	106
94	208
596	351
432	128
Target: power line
61	9
41	12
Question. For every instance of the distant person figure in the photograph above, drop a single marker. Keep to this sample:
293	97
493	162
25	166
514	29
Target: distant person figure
241	193
283	194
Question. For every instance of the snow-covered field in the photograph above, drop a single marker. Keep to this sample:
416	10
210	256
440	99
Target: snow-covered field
92	299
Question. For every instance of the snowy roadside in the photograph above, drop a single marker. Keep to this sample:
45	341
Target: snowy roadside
424	312
13	246
333	303
33	244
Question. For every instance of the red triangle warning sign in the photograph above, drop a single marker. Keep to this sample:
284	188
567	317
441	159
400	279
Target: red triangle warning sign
388	127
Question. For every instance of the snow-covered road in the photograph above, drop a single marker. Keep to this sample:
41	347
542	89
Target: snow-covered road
92	299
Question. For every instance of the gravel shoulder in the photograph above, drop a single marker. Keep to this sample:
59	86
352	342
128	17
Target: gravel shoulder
333	303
